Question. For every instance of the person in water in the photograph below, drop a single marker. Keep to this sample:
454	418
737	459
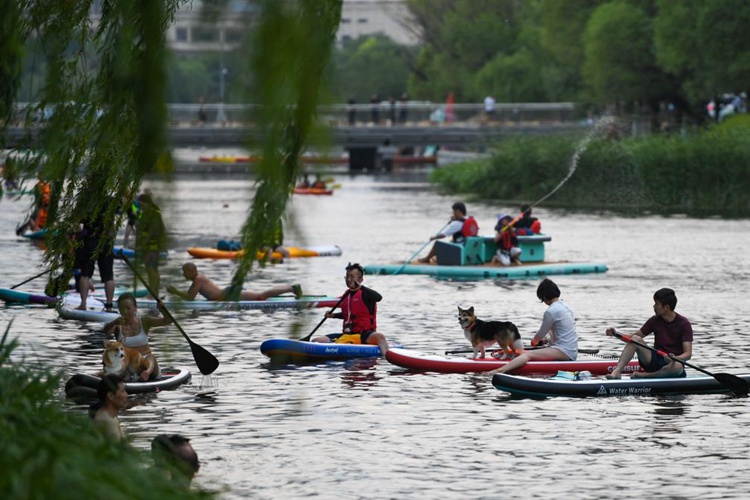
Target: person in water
359	310
559	322
175	457
673	334
202	284
112	398
132	331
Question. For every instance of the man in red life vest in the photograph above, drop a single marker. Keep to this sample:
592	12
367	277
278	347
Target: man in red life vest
459	228
359	310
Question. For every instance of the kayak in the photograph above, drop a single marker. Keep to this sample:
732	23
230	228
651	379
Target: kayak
9	295
313	191
287	351
66	307
423	362
488	270
35	235
294	252
83	387
565	385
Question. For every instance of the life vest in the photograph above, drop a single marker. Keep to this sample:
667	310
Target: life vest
41	217
506	240
536	227
470	227
356	315
46	193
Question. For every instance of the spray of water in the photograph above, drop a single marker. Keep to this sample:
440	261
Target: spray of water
604	125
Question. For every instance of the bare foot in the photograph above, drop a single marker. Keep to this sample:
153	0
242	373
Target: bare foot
613	376
81	308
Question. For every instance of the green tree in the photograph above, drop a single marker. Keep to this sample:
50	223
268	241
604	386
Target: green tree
620	67
370	65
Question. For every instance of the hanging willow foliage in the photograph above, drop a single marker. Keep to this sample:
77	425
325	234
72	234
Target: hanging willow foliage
104	112
289	52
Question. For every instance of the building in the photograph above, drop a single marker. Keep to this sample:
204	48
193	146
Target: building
191	32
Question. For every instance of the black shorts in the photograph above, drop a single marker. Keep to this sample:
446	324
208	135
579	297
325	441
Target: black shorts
656	363
87	259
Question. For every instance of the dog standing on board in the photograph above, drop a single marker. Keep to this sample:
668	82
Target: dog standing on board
127	363
483	334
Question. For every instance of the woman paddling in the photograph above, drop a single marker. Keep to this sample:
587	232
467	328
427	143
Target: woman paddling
132	332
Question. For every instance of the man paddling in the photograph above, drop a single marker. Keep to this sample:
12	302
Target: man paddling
201	284
673	334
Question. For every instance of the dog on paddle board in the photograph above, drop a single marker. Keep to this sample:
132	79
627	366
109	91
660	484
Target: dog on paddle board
123	361
483	334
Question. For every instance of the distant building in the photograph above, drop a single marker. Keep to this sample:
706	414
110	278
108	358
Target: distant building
191	33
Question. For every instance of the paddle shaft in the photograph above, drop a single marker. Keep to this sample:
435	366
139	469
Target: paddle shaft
528	348
398	271
206	362
736	384
30	279
309	336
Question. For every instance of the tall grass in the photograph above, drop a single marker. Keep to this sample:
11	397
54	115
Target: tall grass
705	172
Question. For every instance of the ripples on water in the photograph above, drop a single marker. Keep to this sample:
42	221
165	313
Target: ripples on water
366	429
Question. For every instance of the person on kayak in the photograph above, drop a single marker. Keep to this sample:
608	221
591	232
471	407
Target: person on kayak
559	321
673	334
359	310
201	284
459	228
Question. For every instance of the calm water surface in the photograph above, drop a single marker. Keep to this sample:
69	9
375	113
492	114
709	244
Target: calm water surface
367	429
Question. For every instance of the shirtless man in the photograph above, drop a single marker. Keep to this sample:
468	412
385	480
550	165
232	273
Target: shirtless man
202	284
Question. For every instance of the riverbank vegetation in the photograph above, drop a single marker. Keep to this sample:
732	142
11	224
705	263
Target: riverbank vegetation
50	451
703	172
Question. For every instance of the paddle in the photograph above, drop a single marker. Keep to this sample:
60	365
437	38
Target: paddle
528	348
732	382
206	362
308	337
30	279
418	251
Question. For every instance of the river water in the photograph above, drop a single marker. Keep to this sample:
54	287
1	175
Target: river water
367	429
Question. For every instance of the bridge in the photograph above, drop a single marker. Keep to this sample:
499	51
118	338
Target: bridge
418	125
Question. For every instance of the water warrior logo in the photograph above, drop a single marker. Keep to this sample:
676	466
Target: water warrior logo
623	391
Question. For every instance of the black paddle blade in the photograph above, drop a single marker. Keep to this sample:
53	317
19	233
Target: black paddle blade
206	362
736	384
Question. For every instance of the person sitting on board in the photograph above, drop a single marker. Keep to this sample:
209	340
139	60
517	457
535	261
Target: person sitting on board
508	251
527	224
673	334
459	228
132	331
112	398
359	310
202	284
304	183
42	198
558	321
319	183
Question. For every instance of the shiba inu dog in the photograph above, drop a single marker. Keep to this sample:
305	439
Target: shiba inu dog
125	362
483	334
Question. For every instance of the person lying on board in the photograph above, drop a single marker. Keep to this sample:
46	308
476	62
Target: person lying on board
673	334
202	284
359	310
559	322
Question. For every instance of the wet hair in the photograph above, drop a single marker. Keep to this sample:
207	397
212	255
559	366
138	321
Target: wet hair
168	452
460	206
126	296
109	384
666	297
357	267
547	290
526	210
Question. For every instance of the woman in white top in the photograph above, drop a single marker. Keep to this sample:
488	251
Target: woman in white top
132	331
559	322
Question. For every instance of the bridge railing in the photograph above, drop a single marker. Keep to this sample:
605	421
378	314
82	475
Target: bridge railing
415	113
